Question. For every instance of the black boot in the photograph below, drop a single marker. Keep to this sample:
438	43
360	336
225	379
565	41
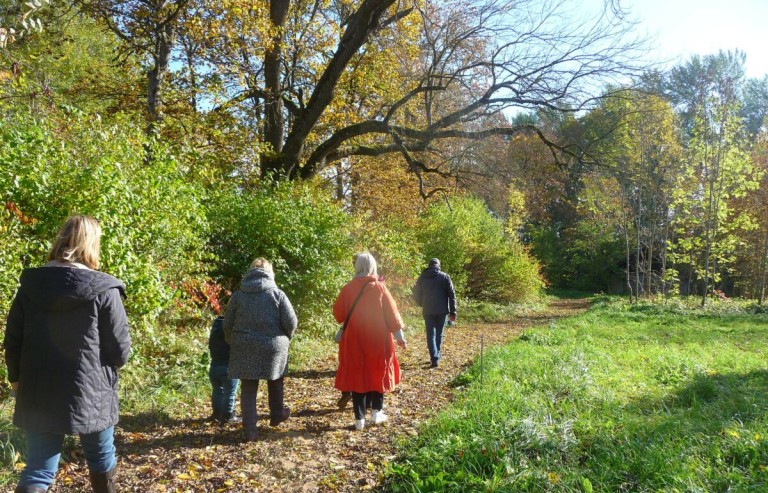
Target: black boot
103	482
29	489
345	398
277	412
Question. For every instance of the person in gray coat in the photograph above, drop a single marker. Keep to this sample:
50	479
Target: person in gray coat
258	325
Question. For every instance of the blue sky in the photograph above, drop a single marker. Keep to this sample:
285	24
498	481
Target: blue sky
682	28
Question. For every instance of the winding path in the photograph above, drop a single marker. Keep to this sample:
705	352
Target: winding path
314	451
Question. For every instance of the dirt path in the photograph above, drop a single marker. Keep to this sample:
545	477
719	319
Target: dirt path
317	449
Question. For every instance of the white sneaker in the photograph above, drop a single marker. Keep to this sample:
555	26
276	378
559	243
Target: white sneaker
378	417
359	424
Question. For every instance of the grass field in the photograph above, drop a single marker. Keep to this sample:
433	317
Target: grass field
623	398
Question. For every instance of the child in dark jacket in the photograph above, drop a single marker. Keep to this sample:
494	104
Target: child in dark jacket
224	389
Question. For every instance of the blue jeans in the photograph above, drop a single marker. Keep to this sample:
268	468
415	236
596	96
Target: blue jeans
44	450
223	390
435	332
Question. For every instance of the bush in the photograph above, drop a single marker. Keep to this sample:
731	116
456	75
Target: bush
305	235
396	249
484	262
15	251
152	218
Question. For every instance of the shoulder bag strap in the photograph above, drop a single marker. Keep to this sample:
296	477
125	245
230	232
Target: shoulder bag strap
352	308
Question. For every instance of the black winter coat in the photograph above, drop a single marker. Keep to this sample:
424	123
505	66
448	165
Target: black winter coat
217	344
434	292
65	338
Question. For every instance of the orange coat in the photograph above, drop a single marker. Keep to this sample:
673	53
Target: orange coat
367	360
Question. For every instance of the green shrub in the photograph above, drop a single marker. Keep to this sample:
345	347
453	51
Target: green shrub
152	217
396	249
298	228
15	248
484	262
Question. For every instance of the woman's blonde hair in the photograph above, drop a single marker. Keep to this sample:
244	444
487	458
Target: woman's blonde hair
78	241
365	265
262	263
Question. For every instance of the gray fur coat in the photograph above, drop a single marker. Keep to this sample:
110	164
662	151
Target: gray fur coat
258	326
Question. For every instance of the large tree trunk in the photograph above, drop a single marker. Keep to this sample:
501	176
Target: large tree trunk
708	241
663	253
649	268
340	181
365	20
638	247
157	74
274	118
628	253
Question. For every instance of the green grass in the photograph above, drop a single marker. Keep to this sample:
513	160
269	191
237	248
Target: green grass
642	398
486	312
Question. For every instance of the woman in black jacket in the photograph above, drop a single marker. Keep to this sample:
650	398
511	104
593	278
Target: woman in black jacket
65	338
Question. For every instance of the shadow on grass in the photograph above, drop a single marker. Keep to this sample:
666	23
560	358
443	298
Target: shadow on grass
687	329
713	400
701	422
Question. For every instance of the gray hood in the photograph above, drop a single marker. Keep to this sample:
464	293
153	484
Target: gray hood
257	280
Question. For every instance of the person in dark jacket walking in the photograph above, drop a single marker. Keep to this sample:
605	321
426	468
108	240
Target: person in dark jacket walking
435	295
65	338
258	325
223	388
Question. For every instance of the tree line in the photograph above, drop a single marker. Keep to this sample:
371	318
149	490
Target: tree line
670	194
523	142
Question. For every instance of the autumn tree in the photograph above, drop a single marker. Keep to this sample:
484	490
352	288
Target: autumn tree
67	67
324	81
550	220
640	151
19	19
754	107
148	29
752	259
718	170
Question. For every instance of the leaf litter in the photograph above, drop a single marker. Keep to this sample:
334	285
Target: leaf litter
317	449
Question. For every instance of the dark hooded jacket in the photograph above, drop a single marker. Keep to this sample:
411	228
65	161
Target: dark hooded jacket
65	338
434	292
217	344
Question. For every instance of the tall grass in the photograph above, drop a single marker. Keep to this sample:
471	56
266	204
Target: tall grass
641	398
489	312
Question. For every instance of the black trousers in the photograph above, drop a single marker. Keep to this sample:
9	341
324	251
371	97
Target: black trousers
248	392
360	401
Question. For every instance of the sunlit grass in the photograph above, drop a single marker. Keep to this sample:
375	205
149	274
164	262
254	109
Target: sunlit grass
622	398
479	311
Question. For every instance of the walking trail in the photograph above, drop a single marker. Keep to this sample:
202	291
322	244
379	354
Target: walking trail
317	450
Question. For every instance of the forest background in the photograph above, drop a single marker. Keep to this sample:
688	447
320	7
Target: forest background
523	143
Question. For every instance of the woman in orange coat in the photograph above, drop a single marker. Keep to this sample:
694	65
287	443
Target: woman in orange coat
367	362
